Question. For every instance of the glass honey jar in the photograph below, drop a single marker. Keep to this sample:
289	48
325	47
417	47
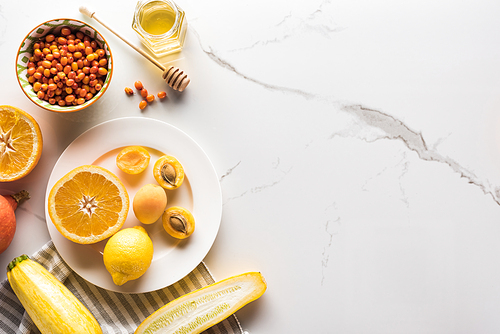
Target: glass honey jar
161	25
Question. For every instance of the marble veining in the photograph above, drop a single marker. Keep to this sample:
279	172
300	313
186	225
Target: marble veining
394	129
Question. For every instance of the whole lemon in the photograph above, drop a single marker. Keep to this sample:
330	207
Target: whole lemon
128	254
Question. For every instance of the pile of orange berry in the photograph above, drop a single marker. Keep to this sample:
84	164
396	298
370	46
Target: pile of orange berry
147	98
68	69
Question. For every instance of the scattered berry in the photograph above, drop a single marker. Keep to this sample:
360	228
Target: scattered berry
144	92
138	85
162	95
129	91
150	98
143	104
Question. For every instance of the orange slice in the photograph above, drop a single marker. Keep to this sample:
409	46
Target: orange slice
133	159
89	204
20	143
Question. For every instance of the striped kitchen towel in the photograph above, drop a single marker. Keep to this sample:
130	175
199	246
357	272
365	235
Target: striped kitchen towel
116	312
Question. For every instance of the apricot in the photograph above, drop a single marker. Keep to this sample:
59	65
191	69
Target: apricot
168	172
149	203
133	159
178	222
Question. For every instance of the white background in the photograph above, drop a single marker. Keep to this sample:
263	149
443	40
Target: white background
356	145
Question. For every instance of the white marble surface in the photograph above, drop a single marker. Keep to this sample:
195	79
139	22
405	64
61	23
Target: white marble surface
356	143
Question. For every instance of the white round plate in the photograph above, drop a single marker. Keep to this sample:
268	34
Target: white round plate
200	193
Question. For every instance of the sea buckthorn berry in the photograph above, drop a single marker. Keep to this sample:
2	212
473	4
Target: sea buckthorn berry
129	91
138	85
49	38
150	98
162	95
143	104
65	31
62	40
144	92
102	71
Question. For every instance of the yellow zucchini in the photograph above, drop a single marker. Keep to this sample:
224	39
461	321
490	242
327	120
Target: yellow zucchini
205	307
51	306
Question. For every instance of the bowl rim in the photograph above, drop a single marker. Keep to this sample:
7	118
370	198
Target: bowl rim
64	21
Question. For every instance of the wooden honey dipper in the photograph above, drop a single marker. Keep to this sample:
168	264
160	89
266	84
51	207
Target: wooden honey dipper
173	76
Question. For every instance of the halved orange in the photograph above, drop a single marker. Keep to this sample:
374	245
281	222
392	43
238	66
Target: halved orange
133	159
20	143
89	204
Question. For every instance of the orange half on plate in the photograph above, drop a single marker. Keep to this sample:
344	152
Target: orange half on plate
89	204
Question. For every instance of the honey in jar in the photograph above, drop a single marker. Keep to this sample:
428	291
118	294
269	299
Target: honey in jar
161	25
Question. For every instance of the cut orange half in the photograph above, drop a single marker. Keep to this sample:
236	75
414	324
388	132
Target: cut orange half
20	143
89	204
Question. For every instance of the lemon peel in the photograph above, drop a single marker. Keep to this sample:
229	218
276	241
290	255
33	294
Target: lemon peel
128	254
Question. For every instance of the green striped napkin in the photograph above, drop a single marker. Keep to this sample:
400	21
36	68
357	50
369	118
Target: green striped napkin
116	312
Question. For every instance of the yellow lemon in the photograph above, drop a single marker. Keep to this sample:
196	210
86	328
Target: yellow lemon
128	254
20	143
